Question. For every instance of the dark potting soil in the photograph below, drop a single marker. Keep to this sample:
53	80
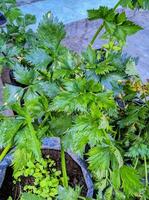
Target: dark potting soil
73	170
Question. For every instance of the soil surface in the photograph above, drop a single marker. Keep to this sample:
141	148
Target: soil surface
73	170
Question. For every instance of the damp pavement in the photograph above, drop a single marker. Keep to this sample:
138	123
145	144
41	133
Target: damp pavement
80	31
65	10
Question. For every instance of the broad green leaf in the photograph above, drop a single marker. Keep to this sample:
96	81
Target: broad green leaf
138	150
115	178
90	56
128	3
8	129
130	181
127	28
50	31
131	69
29	196
99	158
39	58
121	18
23	75
35	106
23	152
144	4
30	19
46	88
101	13
118	156
87	129
60	124
13	14
108	193
120	195
12	94
68	193
104	69
110	27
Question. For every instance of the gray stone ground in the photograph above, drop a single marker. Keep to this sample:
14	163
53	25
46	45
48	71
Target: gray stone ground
23	2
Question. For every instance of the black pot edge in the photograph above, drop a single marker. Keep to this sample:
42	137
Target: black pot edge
53	143
3	21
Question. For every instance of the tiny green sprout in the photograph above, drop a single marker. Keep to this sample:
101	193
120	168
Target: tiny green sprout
46	178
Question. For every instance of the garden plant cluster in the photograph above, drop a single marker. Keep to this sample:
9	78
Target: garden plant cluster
94	102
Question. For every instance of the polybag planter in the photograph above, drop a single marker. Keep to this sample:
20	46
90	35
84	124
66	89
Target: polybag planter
2	19
52	143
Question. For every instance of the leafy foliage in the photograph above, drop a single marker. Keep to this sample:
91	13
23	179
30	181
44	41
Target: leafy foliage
15	36
130	181
69	193
116	24
137	3
50	31
28	196
95	102
38	58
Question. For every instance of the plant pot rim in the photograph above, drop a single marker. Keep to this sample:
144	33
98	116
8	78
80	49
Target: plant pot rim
3	21
53	143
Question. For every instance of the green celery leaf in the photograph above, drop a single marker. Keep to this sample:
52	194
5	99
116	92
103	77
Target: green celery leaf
39	58
46	88
35	106
88	129
90	55
29	196
103	69
8	129
60	124
115	178
130	181
131	69
101	13
99	158
69	193
12	94
127	28
144	4
13	14
50	31
138	150
30	19
76	96
120	195
108	193
23	75
28	147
